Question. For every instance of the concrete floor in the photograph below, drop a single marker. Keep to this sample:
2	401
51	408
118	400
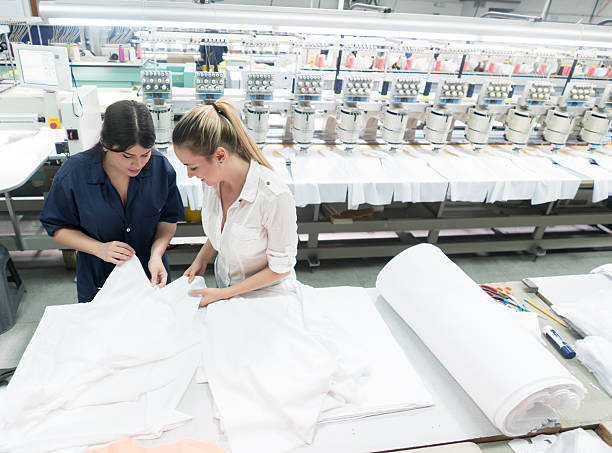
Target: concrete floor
48	282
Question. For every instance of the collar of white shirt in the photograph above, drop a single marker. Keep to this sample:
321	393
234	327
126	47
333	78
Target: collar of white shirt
251	184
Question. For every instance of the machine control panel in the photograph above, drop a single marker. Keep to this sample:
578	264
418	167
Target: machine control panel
259	86
156	83
405	90
357	89
209	85
308	87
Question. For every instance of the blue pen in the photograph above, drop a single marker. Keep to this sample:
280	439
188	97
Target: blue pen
558	342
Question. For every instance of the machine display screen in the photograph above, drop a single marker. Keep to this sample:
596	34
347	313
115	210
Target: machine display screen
38	67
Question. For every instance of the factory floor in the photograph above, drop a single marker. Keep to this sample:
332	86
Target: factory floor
48	282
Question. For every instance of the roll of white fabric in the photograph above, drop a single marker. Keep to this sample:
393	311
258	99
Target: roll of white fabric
513	378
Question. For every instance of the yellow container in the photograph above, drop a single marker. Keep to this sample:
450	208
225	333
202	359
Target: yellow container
193	216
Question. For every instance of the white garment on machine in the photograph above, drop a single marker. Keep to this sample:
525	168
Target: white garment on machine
415	180
602	178
319	176
278	364
95	372
190	189
478	341
595	353
369	182
553	183
468	179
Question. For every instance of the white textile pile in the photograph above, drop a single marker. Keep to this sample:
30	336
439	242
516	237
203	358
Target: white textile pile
584	300
114	367
511	376
595	353
278	364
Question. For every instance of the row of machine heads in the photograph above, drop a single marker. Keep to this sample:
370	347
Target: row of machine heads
580	109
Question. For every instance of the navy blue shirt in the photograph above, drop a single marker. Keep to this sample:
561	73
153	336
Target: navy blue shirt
82	197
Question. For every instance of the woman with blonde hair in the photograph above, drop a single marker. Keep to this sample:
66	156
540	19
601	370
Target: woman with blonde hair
248	212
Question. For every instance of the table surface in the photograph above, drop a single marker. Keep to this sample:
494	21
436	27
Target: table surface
23	152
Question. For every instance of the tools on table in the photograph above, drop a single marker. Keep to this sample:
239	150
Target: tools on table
504	295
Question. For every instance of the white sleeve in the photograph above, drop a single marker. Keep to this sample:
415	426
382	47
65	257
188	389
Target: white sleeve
280	222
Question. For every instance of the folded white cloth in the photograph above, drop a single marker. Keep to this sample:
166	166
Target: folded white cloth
94	372
278	364
509	374
595	353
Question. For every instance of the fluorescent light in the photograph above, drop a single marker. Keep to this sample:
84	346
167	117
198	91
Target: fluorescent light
131	23
325	22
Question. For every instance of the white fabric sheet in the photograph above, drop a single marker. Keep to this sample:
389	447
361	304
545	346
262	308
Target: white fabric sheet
595	353
478	341
579	441
602	178
369	182
94	372
415	180
553	181
585	300
319	176
277	365
323	174
189	188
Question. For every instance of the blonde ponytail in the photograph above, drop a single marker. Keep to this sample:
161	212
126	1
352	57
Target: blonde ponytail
205	128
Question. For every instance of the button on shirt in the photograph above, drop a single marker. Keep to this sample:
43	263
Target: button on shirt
82	197
260	228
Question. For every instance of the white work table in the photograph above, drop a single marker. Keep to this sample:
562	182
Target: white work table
454	418
22	153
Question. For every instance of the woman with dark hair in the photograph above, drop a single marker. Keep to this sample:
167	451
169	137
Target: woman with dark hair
116	200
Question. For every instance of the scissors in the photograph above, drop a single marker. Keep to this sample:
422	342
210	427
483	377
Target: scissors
503	294
505	290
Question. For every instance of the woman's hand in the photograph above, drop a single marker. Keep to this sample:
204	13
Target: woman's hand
196	268
114	252
209	295
159	275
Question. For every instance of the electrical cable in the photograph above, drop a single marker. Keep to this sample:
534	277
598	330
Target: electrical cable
593	12
76	90
601	9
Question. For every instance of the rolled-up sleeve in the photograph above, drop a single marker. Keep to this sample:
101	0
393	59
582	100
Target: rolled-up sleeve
172	210
60	209
280	222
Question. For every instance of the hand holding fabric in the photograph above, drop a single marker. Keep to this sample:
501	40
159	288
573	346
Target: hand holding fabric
159	275
196	268
209	295
115	252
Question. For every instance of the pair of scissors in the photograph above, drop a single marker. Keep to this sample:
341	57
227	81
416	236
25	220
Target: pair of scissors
505	290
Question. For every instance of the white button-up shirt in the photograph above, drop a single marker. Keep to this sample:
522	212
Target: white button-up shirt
260	229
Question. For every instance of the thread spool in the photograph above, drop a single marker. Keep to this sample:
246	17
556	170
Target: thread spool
75	53
320	61
122	56
350	61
